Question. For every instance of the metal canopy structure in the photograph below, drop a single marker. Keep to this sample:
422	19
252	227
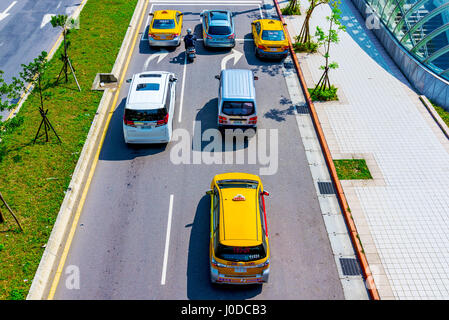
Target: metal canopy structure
421	26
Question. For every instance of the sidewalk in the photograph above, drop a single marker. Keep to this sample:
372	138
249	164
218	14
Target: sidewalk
402	215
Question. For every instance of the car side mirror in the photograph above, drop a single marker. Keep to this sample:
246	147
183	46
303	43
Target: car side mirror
217	77
256	78
265	193
128	80
180	14
151	14
173	79
209	192
284	24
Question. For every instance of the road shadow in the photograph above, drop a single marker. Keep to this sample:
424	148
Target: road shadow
271	67
199	286
206	120
114	146
280	115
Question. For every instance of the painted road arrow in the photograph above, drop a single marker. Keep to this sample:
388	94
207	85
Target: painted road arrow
160	55
235	54
5	13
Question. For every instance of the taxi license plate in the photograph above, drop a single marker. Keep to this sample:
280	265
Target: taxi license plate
240	270
163	37
273	49
237	122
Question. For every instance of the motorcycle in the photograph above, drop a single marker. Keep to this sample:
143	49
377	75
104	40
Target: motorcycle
191	54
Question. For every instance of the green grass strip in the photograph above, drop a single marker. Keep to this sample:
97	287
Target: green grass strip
34	177
352	169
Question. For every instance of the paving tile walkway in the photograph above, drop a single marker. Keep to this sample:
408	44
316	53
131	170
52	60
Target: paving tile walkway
403	214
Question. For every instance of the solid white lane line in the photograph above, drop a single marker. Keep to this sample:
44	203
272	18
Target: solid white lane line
144	38
167	241
182	88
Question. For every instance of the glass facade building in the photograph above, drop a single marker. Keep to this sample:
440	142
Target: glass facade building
421	26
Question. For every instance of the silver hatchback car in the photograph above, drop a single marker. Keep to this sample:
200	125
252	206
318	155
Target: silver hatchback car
218	28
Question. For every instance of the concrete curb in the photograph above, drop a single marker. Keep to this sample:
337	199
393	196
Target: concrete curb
352	230
55	244
435	115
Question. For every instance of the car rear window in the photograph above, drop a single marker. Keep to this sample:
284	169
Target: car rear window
219	30
147	87
240	253
164	24
232	108
247	184
218	15
145	115
273	35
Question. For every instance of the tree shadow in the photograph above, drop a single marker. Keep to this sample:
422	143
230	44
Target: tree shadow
199	286
271	67
115	148
281	115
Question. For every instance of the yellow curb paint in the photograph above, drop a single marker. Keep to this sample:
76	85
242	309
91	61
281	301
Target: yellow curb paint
92	170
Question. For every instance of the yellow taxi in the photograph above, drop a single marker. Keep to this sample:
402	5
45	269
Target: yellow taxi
270	39
238	250
165	28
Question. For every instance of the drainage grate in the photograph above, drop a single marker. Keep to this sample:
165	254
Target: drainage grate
326	187
302	109
350	267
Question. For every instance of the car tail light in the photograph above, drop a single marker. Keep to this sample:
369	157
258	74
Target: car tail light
208	36
174	35
252	120
261	47
162	122
222	119
232	36
285	47
128	122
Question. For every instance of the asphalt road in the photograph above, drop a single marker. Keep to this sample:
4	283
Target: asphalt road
26	31
119	243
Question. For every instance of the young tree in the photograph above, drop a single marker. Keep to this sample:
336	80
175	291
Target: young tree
304	35
326	39
32	73
63	22
9	93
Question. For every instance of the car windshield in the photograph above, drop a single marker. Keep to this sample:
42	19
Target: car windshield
240	253
164	24
273	35
145	115
219	30
238	108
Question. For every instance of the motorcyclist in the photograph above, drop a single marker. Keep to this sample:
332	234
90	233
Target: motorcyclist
189	39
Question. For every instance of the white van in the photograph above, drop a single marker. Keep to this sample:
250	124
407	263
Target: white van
150	107
236	99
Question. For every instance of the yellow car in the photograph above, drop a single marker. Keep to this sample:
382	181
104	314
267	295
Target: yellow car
238	250
270	39
165	28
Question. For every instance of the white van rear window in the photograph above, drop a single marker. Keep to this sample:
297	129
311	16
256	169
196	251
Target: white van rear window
233	108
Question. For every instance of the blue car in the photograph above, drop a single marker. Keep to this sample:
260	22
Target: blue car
218	28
